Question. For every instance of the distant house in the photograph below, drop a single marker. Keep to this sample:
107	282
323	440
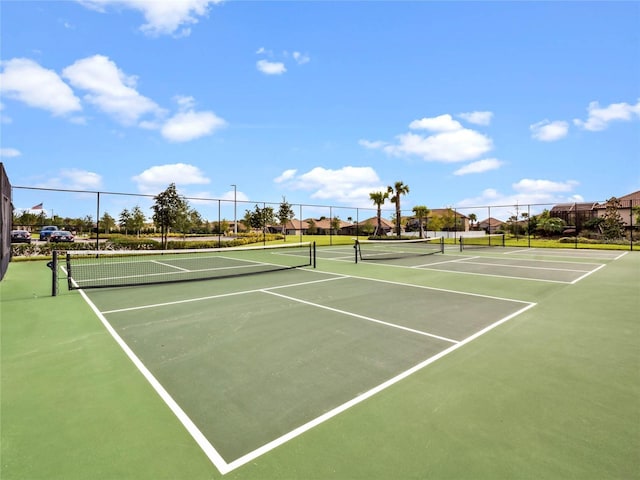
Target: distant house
359	228
461	221
292	227
491	225
627	203
574	214
323	226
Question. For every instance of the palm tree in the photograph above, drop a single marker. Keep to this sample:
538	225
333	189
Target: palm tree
472	219
398	189
378	199
421	212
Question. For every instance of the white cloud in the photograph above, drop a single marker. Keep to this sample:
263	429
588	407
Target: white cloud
477	118
186	126
349	185
372	145
110	89
453	146
547	131
527	185
442	123
162	17
451	142
38	87
527	195
9	152
270	68
74	179
286	175
600	117
479	166
301	58
158	178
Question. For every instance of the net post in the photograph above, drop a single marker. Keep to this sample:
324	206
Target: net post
461	243
69	273
355	249
313	247
53	265
441	244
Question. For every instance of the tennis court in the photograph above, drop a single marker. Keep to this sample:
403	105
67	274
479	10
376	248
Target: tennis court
297	363
257	360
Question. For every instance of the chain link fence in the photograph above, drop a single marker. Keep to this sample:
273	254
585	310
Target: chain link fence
94	215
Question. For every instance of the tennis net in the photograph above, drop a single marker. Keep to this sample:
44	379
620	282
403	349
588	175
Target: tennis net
96	269
493	240
395	249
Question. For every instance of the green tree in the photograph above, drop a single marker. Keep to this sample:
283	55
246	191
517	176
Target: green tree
124	220
107	222
421	213
285	214
612	225
167	209
473	218
335	224
378	199
367	228
548	225
259	218
137	220
396	192
312	229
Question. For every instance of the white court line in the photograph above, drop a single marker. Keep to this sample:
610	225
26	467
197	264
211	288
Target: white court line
527	267
360	398
587	274
460	273
362	317
170	266
443	262
191	427
206	446
221	295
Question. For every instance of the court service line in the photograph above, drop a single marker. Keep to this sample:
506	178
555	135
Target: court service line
370	393
169	265
362	317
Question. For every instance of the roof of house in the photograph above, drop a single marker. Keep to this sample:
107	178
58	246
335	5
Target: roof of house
573	207
491	221
374	221
324	223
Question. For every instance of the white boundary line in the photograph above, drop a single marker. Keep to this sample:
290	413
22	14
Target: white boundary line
206	446
360	398
193	430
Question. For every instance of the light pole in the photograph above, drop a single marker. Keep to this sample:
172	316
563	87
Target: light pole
235	221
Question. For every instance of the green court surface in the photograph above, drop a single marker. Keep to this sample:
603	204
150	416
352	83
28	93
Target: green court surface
489	363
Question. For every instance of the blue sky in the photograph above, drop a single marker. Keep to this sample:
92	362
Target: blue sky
468	103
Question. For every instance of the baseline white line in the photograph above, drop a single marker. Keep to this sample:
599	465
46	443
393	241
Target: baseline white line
461	273
587	274
362	317
526	267
188	424
495	276
443	262
360	398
